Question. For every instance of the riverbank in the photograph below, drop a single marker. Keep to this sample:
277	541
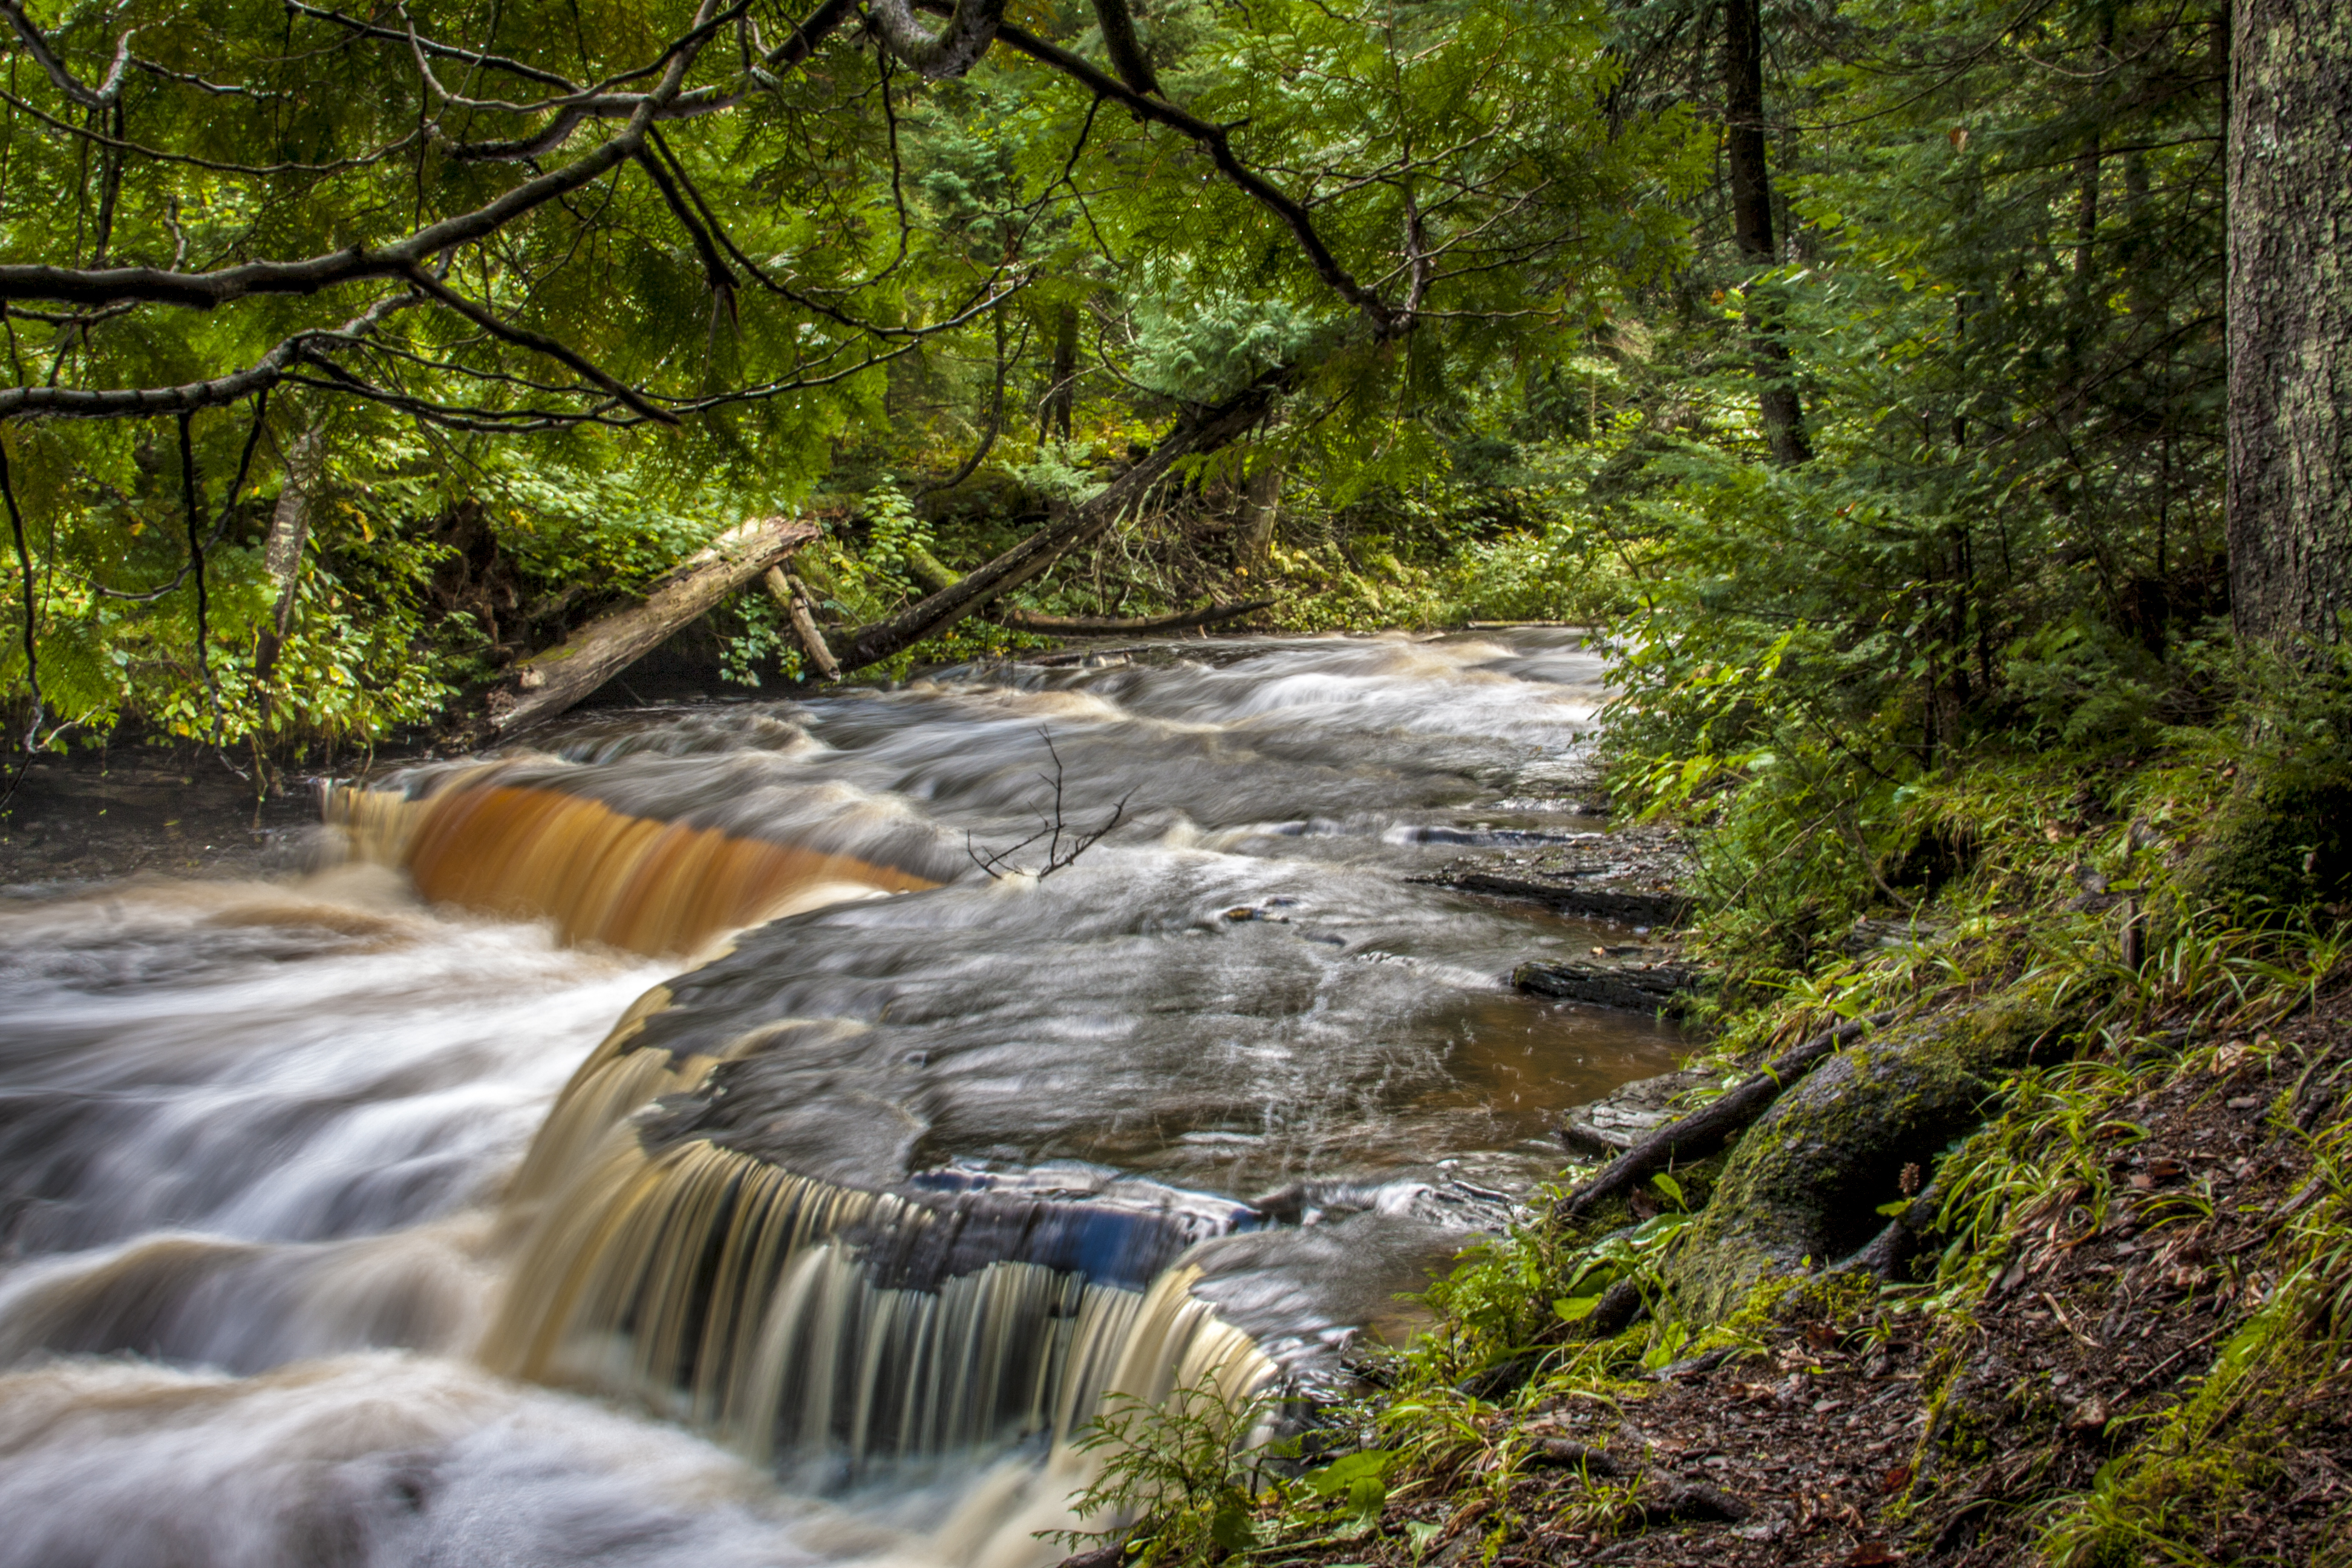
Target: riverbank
105	814
2046	1261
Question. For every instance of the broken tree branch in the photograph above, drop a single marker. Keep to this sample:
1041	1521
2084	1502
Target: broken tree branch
1053	828
793	594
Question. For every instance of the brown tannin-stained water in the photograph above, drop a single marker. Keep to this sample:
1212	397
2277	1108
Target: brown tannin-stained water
668	1144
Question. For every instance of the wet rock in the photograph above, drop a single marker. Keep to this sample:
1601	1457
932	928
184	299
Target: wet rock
1616	1123
1635	875
1645	979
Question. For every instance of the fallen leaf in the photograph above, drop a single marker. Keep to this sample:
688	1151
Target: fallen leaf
1896	1479
1872	1555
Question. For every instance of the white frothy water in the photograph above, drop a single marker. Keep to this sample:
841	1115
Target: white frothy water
254	1137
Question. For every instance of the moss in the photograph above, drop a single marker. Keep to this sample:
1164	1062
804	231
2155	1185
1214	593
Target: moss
1803	1185
2280	845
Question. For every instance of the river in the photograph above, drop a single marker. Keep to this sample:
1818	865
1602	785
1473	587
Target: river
704	1137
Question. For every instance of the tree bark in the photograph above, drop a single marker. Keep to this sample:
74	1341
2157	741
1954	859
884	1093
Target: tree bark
546	684
1776	402
289	531
1053	419
1261	507
2290	319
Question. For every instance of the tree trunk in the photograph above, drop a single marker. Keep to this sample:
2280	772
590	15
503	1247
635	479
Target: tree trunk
1261	506
2290	319
1028	560
546	684
289	530
1752	216
1054	420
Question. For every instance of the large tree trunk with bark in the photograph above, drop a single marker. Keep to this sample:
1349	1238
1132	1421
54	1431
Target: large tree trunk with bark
1751	215
546	684
2290	310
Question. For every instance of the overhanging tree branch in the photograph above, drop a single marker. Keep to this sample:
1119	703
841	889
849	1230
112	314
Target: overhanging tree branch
972	26
1387	320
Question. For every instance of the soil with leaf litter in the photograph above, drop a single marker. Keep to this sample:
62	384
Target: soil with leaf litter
1884	1434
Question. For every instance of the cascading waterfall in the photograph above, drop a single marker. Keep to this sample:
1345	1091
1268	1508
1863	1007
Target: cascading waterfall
324	1202
804	1319
601	875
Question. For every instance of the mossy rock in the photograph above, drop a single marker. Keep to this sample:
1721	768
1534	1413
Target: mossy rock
2283	843
1802	1187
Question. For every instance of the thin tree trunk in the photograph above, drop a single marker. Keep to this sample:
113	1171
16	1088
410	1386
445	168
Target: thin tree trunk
1751	215
2290	319
1061	396
1261	505
290	533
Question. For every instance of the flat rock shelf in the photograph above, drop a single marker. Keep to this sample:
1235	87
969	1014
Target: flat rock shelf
1637	877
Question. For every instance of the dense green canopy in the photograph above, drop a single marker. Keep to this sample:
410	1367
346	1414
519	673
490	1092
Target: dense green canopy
566	289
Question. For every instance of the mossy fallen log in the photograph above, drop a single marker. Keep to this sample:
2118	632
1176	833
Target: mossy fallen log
1708	1128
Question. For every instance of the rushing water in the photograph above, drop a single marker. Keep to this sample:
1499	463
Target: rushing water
671	1145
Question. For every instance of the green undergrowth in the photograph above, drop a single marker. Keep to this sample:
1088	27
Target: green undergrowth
2099	891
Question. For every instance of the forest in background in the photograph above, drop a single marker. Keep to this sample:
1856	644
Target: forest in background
1491	289
1934	404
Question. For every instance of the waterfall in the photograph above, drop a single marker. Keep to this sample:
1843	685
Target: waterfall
534	851
807	1321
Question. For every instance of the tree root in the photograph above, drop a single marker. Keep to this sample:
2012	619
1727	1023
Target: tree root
1807	1179
1708	1128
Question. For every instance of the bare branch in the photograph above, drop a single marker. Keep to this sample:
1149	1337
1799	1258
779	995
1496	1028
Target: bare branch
204	290
1387	320
104	96
523	337
999	865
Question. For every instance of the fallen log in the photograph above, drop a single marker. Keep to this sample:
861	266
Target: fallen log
546	684
1201	433
934	575
1708	1128
1116	626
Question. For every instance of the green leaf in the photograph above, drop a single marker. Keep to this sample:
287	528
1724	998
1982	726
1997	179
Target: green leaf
1345	1472
1232	1529
1672	1188
1576	1309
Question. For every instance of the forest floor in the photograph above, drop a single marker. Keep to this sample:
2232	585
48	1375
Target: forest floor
1864	1430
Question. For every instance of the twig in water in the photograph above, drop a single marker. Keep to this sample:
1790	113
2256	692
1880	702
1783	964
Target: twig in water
1054	829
